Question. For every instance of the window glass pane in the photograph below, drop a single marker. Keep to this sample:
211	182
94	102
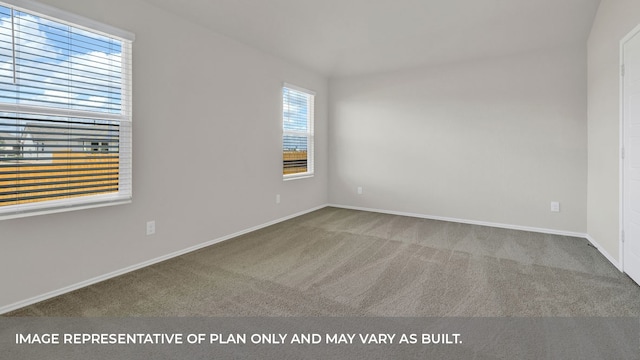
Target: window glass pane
58	65
68	144
297	110
51	158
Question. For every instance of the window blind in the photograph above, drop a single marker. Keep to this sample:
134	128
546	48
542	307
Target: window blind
65	115
297	139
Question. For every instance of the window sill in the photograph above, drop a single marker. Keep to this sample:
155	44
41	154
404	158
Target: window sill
297	177
64	208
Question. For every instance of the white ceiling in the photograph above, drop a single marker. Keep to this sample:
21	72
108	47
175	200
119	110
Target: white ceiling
349	37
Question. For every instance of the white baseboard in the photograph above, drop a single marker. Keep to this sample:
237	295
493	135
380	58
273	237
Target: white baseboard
604	252
97	279
498	225
464	221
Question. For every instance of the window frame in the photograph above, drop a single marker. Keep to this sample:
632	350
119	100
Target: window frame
124	195
309	133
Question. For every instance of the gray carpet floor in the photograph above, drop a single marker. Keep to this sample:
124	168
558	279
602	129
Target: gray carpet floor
335	262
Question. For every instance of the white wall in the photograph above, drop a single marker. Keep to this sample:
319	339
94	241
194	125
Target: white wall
615	18
207	156
492	140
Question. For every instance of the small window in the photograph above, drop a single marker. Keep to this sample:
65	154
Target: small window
65	112
297	135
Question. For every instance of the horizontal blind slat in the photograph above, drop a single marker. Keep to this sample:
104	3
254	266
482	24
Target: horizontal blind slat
48	183
59	190
65	176
59	196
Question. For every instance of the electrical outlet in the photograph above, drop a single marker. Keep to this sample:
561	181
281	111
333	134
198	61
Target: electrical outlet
555	206
359	190
278	199
151	227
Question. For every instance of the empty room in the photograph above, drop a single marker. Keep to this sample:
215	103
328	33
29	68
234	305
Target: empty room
406	159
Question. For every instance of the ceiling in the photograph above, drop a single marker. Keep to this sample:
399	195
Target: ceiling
350	37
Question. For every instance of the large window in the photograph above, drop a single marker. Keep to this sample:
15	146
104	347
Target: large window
65	111
297	135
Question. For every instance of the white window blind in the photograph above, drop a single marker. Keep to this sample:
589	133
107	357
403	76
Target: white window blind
65	114
297	138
